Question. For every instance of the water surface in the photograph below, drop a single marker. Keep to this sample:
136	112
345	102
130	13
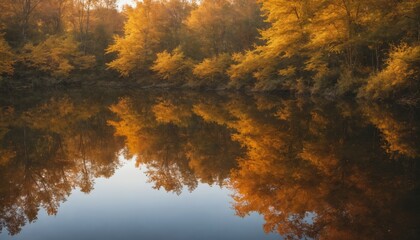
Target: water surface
191	165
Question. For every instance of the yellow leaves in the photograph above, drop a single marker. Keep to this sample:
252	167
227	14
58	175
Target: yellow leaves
210	68
130	52
57	56
328	28
400	73
284	40
127	59
172	66
7	58
255	64
321	38
245	64
286	31
207	32
146	31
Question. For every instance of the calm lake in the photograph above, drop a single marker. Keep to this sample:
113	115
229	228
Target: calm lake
125	164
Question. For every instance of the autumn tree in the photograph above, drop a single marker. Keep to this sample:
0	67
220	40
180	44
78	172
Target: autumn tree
283	41
152	27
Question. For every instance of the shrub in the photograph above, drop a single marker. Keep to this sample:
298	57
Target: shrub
213	69
57	56
400	76
174	67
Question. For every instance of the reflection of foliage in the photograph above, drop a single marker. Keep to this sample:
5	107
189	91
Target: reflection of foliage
311	168
129	124
58	115
57	146
319	173
177	148
211	113
167	112
401	135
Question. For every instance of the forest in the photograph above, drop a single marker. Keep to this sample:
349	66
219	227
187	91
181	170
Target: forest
366	49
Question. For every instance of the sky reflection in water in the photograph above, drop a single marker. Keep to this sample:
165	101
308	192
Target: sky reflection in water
127	207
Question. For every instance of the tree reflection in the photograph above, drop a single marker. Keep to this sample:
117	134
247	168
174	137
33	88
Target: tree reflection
399	128
178	148
320	172
54	147
311	168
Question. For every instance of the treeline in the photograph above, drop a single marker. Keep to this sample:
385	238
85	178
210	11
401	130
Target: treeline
364	48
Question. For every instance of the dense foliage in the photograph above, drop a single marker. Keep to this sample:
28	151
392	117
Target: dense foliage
57	56
365	48
56	38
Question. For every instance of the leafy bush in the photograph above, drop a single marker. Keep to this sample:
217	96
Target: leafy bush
400	76
213	69
253	69
173	66
57	56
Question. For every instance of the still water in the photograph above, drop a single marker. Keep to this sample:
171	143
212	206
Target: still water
191	165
